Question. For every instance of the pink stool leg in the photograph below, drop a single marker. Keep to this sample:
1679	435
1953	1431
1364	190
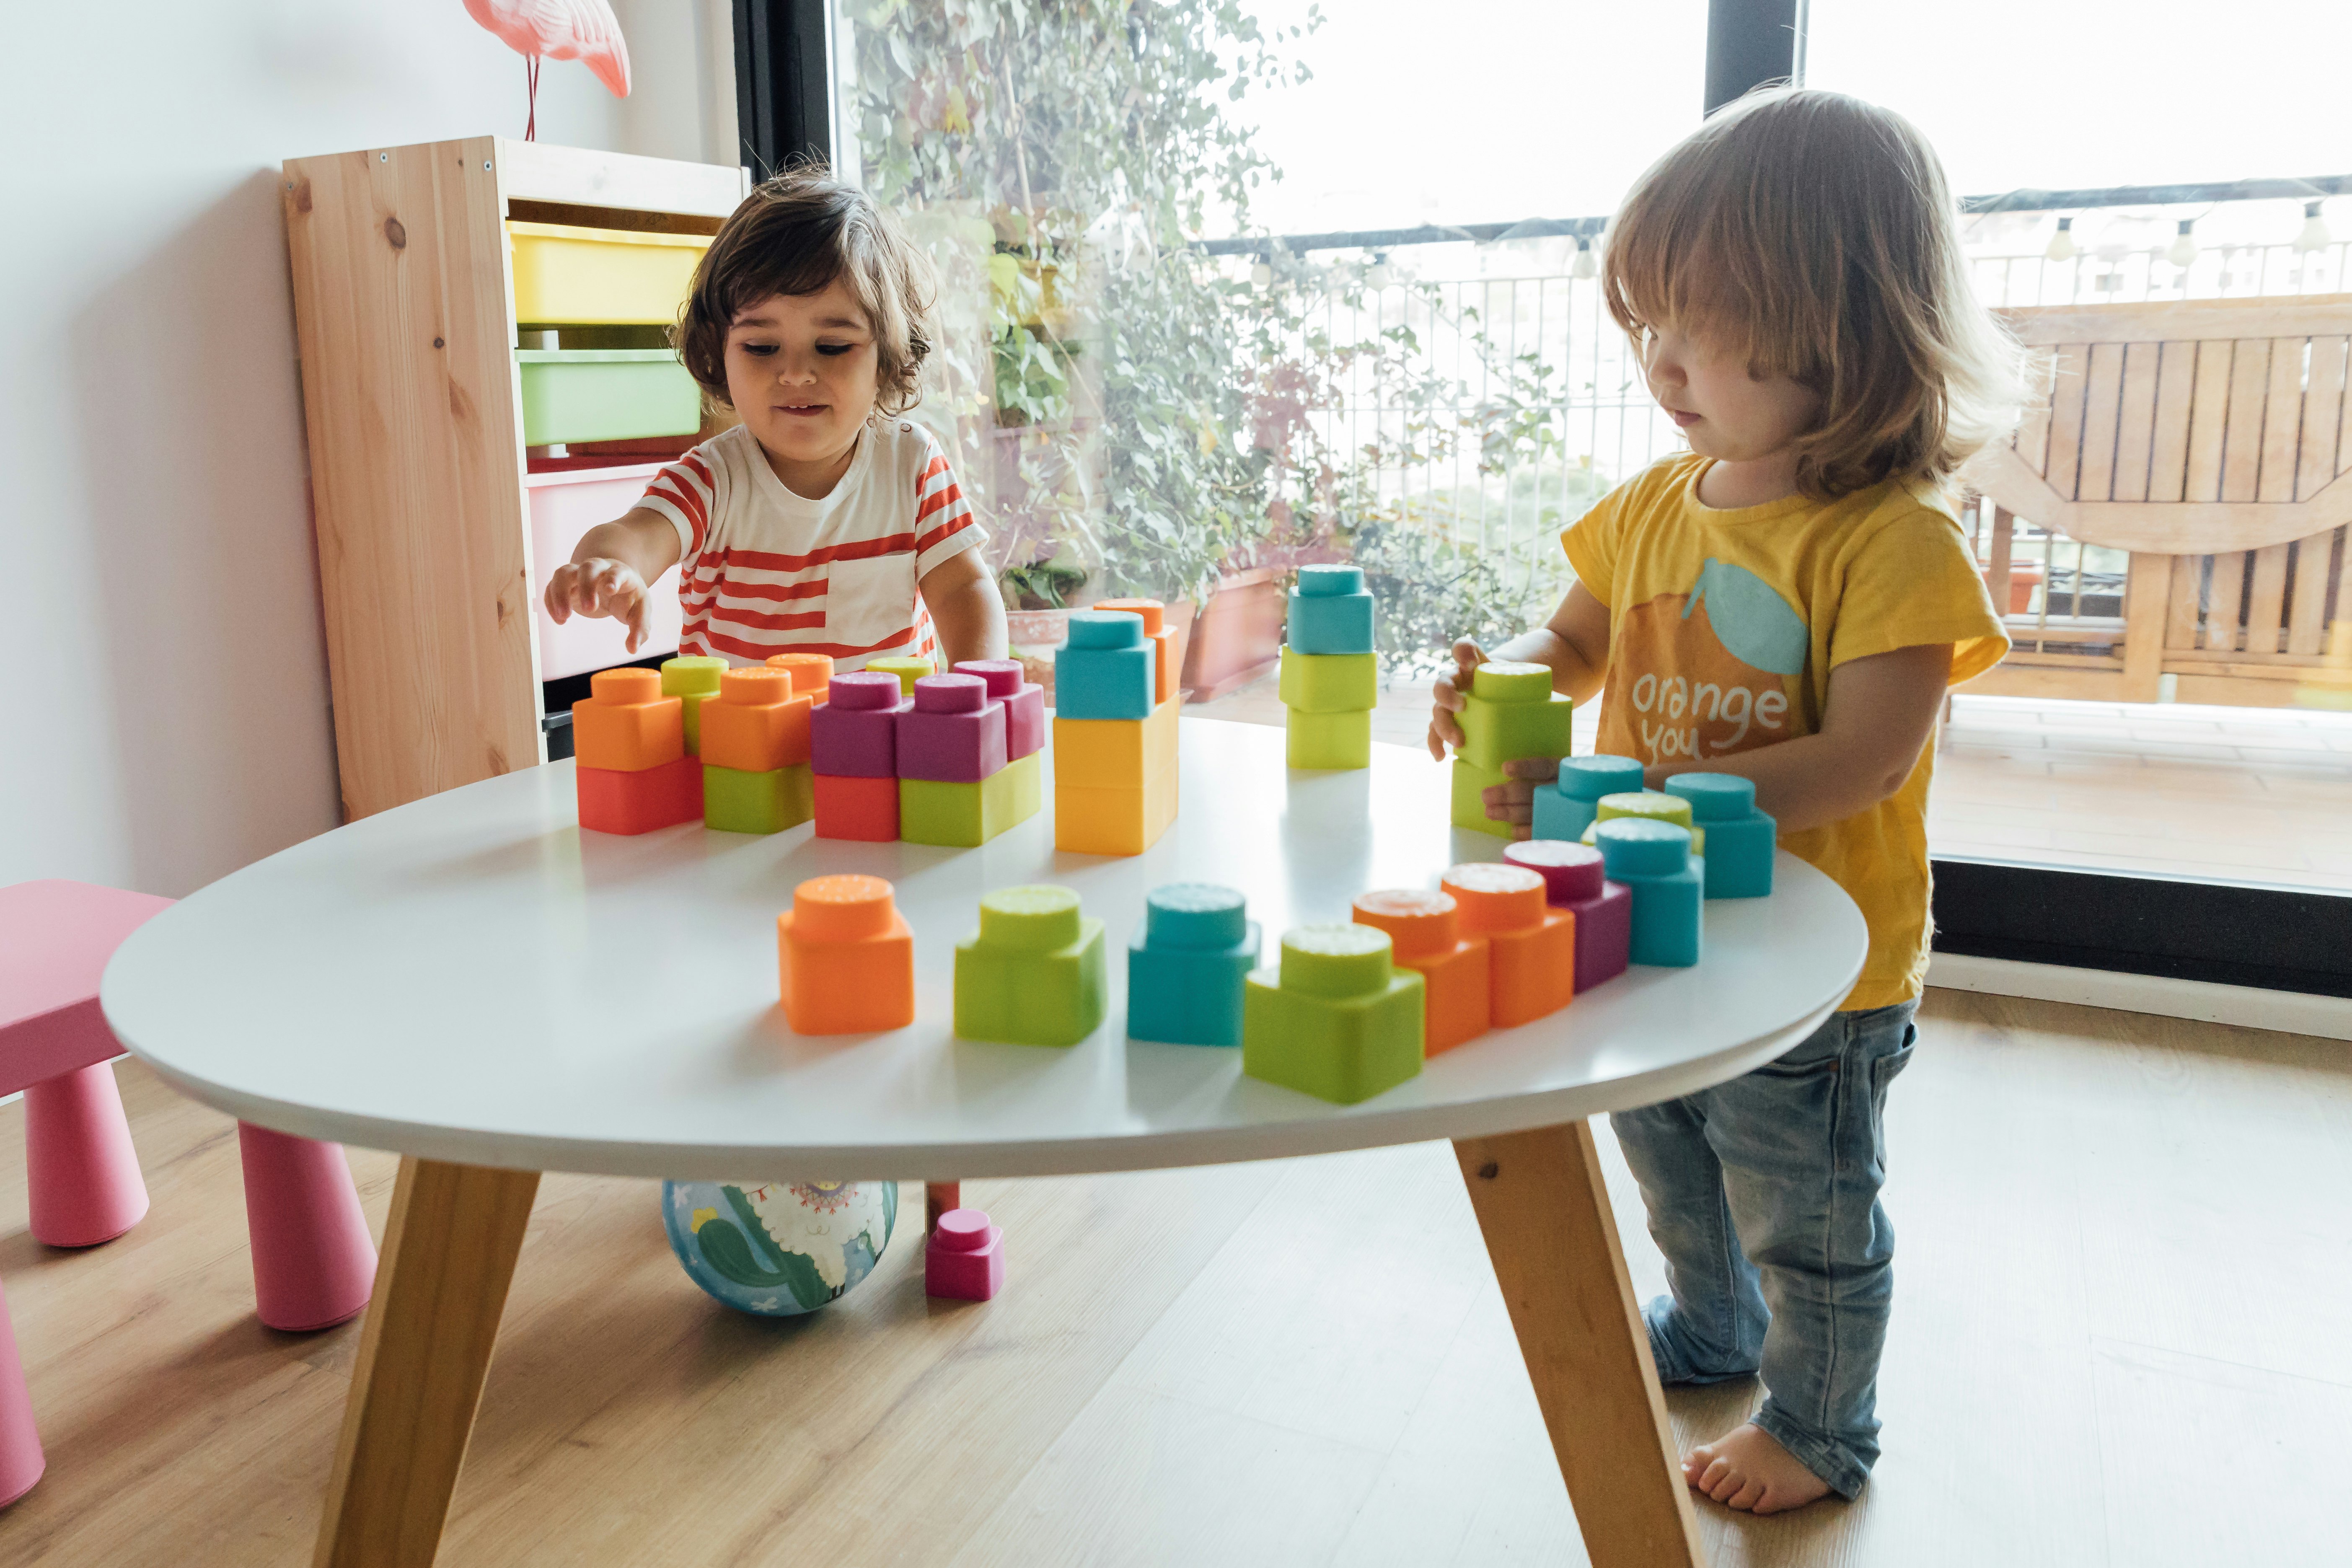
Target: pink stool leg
20	1446
79	1162
314	1264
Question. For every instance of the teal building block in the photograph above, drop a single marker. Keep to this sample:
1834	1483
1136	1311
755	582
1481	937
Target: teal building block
1339	1021
1037	973
1654	861
734	800
1470	784
967	815
1330	610
1106	668
1566	806
1185	965
1328	740
1329	682
1739	838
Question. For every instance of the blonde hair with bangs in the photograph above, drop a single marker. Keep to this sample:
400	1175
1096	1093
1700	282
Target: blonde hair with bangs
1815	233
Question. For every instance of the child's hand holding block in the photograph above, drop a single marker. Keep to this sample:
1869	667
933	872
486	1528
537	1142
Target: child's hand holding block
846	958
1653	860
1735	838
1337	1021
1185	965
1573	881
1565	807
1534	944
1456	972
1330	610
1035	974
1510	713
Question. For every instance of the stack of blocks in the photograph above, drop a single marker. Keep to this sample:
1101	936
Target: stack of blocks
846	958
1509	714
853	744
1331	678
1035	973
1339	1021
1574	881
1186	964
933	759
633	772
1457	970
1653	858
1565	807
1650	804
1113	744
755	753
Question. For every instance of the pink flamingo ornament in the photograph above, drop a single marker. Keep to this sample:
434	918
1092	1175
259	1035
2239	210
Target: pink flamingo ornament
583	30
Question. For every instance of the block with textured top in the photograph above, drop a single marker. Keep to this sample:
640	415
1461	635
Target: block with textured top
1652	804
810	671
905	668
1035	973
846	958
693	679
1327	740
1738	839
1574	881
1471	783
1185	964
861	809
1023	700
966	814
639	800
1564	808
756	724
735	801
1653	858
1330	610
963	1259
1123	754
1425	936
1329	682
1339	1021
1167	664
854	734
1534	944
1509	712
625	724
1105	669
954	733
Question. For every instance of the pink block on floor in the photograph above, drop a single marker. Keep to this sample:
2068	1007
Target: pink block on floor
965	1258
78	1162
954	733
313	1261
21	1461
1024	703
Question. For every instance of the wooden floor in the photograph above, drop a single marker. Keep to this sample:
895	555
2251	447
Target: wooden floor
2118	1339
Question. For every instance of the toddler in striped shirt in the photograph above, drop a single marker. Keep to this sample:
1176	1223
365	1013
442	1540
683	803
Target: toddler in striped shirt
824	522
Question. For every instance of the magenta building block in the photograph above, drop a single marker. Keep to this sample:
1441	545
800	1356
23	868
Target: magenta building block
1603	910
853	733
21	1461
954	733
965	1258
1024	703
1571	872
313	1263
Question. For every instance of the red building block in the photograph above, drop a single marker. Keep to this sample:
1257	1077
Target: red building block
640	800
964	1260
860	808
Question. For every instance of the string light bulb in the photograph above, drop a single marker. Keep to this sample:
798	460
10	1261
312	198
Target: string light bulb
2061	244
2314	236
1585	266
2183	252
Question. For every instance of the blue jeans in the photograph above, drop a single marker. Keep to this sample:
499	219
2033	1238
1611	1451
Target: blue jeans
1763	1196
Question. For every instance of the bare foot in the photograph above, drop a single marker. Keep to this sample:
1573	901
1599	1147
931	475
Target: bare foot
1745	1469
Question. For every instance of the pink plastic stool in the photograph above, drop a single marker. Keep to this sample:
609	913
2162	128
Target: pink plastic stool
313	1263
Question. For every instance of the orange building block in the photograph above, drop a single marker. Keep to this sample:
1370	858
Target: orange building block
810	671
625	724
866	810
1165	668
642	799
756	723
1534	945
846	958
1425	934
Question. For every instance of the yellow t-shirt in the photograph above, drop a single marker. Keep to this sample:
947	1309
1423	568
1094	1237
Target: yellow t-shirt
1723	626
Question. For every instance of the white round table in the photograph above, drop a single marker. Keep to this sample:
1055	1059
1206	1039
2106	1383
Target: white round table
473	982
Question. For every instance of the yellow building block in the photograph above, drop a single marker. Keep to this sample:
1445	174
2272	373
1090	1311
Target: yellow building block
1112	820
1115	754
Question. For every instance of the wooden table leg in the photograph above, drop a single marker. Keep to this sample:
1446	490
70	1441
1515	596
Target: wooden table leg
939	1197
1545	1212
448	1256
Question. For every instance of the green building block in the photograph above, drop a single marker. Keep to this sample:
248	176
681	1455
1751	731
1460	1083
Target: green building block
692	678
1470	782
1330	739
967	815
1339	1021
1510	713
908	671
734	800
1037	973
1329	682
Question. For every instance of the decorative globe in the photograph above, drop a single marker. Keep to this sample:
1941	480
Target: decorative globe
778	1248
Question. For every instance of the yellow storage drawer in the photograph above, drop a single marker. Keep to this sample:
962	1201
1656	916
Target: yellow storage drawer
601	277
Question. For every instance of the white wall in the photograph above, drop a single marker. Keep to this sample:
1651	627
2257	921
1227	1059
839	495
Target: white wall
169	718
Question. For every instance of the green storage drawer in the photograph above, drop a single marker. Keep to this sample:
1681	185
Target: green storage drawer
605	394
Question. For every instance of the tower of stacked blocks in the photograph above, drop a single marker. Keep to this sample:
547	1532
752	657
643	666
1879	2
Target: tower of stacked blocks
1330	679
1509	713
755	753
1115	705
953	759
633	772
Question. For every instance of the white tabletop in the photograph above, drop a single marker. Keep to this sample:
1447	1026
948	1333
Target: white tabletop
471	978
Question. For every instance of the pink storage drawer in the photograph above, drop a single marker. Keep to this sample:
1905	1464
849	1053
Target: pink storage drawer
563	506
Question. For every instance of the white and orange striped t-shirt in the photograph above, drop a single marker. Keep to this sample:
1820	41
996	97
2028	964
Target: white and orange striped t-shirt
764	571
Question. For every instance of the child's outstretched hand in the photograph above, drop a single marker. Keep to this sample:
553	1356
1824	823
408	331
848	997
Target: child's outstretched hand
1446	699
599	586
1512	801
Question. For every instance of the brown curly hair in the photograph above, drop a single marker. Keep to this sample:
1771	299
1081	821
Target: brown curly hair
796	233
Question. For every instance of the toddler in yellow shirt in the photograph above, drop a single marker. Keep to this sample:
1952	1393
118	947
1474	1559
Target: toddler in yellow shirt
1789	602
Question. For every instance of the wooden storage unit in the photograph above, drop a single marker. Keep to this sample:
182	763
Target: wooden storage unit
403	308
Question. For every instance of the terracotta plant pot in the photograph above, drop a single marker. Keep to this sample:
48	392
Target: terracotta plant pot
1238	634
